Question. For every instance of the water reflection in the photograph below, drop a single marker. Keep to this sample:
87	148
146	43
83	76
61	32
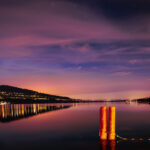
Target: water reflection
112	144
11	112
74	128
103	145
107	145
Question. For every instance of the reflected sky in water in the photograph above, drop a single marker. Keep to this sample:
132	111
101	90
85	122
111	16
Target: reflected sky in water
73	128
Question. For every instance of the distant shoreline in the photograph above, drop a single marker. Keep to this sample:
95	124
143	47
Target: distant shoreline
17	95
144	100
51	101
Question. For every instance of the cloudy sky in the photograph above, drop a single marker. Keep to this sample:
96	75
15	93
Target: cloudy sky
89	49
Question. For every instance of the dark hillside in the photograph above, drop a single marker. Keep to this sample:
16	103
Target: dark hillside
10	93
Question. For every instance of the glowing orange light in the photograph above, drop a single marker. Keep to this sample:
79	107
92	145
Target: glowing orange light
112	113
103	123
22	109
3	111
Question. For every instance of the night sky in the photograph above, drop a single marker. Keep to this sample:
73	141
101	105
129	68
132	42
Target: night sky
89	49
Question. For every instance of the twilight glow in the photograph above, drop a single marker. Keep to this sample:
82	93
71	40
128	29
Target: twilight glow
88	49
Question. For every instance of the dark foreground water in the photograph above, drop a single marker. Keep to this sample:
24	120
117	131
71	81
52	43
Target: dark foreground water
71	126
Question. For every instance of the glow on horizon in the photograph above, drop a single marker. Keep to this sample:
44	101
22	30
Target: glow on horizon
73	49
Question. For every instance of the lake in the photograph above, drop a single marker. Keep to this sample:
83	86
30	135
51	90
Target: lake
71	126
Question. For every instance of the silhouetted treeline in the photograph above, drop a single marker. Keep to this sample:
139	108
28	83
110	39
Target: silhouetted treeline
144	100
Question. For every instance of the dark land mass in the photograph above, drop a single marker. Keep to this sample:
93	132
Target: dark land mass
144	100
18	95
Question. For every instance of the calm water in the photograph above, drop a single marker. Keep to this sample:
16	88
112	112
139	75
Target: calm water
70	126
